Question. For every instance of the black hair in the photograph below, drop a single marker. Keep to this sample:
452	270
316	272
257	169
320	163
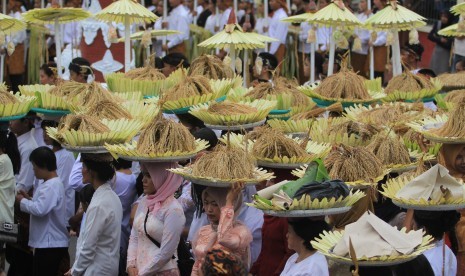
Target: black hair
196	192
49	68
50	123
435	222
419	266
9	145
139	185
207	135
30	117
269	60
104	171
121	164
176	59
427	72
416	49
308	229
191	120
44	158
86	194
81	65
158	63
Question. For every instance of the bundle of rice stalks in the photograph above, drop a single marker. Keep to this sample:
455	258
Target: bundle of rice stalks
147	73
452	81
194	90
455	125
225	162
362	131
286	96
231	113
274	147
391	115
408	86
110	110
163	136
390	149
14	105
455	95
210	67
354	164
337	107
84	130
345	84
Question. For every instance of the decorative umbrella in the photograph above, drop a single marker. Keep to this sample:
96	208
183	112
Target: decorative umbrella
397	18
453	30
127	12
458	9
147	35
11	25
56	16
335	15
306	17
236	39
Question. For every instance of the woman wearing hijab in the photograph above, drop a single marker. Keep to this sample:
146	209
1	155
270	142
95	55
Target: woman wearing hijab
452	156
158	223
224	232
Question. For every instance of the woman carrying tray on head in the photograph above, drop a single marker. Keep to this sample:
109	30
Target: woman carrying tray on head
158	223
452	156
224	231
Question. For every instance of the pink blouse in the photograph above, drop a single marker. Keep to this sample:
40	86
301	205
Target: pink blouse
166	227
231	235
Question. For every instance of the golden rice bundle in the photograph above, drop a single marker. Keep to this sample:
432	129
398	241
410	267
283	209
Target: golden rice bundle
164	135
255	133
83	123
225	162
211	67
346	84
145	73
455	125
353	164
190	86
452	80
389	149
228	108
455	95
266	89
64	88
408	82
110	110
272	143
315	112
388	114
6	97
82	94
363	131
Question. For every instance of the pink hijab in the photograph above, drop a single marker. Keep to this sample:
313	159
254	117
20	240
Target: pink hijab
166	184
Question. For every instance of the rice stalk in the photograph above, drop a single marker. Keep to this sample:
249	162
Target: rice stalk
389	149
408	82
110	110
228	108
190	86
211	67
272	143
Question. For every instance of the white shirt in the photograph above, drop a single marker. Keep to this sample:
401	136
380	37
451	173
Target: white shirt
99	248
277	30
75	177
71	33
224	18
380	39
25	179
315	265
459	45
65	162
323	35
363	34
435	259
178	20
7	189
304	47
47	228
210	24
17	37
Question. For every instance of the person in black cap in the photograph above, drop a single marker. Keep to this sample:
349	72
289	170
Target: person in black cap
264	66
411	55
79	70
173	61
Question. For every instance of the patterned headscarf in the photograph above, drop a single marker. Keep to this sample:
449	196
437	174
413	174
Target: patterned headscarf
221	262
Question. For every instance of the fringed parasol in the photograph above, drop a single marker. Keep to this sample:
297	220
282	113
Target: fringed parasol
453	30
127	12
56	16
10	25
458	9
236	39
335	15
397	18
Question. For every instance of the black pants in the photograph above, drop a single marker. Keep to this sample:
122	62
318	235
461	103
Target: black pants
20	261
47	260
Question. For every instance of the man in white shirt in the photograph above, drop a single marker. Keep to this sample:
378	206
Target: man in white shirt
178	20
47	230
278	29
359	57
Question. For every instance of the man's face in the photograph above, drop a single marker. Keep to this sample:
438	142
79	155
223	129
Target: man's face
275	5
168	69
